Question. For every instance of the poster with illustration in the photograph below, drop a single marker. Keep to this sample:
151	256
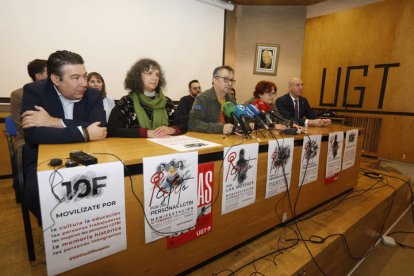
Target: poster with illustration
204	214
239	176
279	166
309	163
351	141
170	194
334	158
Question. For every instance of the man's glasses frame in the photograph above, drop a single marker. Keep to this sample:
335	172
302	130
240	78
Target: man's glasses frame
226	79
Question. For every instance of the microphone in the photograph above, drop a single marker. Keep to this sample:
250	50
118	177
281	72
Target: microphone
265	107
241	115
229	111
253	112
264	110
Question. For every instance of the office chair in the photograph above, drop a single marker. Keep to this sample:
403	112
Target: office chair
25	209
10	133
16	159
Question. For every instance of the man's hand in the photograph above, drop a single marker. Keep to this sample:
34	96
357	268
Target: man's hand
40	118
96	132
228	129
319	122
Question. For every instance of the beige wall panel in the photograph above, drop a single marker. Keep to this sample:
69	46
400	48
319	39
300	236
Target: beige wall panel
265	24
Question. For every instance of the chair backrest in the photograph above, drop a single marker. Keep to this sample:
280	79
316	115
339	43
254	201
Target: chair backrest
10	126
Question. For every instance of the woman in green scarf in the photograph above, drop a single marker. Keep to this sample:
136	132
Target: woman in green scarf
145	111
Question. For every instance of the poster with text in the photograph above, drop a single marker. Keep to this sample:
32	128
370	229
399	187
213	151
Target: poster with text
279	166
351	141
204	213
83	214
170	192
239	176
310	159
334	158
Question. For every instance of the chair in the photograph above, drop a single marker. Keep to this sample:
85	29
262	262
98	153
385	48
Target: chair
25	209
16	159
10	126
10	133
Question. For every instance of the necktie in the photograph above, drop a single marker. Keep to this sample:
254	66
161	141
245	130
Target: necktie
296	110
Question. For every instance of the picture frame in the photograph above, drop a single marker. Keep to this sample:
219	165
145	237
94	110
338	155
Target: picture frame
266	59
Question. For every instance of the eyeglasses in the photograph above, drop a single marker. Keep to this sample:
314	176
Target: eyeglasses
226	79
270	93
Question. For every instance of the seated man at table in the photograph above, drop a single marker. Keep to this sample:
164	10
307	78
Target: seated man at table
37	71
186	103
60	109
207	113
293	106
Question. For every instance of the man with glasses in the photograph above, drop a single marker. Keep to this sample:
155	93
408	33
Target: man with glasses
293	106
186	103
207	113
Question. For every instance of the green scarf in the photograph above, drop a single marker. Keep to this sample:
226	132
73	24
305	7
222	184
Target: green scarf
157	104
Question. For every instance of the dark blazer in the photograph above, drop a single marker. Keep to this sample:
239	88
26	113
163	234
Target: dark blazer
285	106
183	110
85	112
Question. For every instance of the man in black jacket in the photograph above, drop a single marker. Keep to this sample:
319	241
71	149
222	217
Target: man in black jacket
186	103
60	109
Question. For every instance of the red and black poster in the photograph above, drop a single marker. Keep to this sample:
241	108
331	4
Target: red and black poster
204	214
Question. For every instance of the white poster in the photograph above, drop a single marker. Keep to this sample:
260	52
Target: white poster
334	158
184	143
279	166
351	141
170	192
239	176
83	214
310	159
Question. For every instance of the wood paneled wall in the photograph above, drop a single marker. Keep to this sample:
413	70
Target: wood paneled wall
365	57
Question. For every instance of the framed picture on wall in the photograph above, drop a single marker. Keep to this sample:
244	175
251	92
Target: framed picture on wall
265	60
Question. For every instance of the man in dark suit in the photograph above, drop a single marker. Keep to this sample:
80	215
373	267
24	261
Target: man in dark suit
60	109
293	106
186	103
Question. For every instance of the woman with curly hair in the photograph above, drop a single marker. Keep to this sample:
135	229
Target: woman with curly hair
95	80
266	92
145	111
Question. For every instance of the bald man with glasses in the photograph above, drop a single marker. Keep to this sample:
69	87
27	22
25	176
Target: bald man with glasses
207	113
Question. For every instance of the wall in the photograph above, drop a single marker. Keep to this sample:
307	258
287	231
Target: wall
184	36
367	36
248	25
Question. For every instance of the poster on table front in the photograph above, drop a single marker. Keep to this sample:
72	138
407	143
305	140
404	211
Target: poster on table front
83	214
351	141
239	176
310	159
334	157
204	208
279	166
170	194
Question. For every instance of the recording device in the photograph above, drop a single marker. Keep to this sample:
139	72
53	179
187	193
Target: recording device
82	157
253	112
71	163
326	113
241	115
55	162
229	111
